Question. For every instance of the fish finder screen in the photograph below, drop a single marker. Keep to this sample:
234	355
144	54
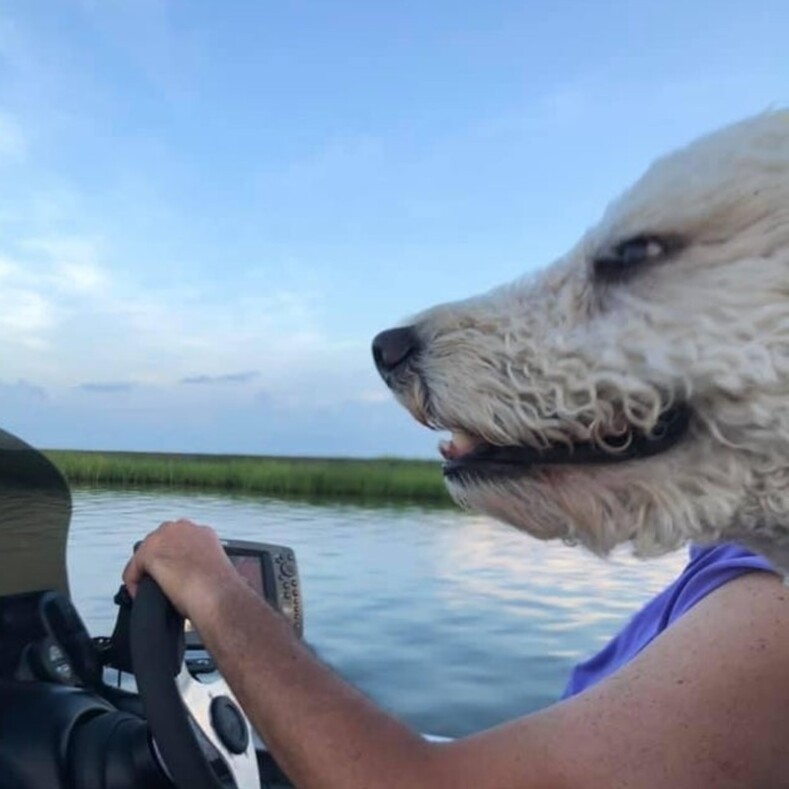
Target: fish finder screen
250	569
270	571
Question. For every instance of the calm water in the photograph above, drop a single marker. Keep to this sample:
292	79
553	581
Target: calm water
449	620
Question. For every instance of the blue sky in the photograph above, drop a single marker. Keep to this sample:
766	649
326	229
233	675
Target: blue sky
208	209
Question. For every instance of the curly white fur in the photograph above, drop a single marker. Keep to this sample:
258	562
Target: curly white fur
561	357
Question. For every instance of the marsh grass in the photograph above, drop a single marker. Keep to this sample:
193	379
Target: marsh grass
378	479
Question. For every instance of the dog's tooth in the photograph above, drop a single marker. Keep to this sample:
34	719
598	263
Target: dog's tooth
447	449
459	445
463	442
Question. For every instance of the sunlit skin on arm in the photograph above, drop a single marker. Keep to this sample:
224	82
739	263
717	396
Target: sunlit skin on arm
707	704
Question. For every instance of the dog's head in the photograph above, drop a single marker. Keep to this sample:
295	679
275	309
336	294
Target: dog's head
637	389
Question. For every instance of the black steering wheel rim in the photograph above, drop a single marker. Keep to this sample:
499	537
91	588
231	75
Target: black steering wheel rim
157	649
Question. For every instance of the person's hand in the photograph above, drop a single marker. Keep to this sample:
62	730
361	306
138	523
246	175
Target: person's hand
187	561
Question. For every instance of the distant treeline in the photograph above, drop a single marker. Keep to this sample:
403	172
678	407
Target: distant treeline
381	479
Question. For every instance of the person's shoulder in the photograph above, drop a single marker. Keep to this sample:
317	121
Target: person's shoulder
705	704
711	567
714	684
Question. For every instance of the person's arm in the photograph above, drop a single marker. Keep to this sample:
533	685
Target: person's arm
705	705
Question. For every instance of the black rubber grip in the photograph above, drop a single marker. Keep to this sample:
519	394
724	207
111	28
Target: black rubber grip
157	648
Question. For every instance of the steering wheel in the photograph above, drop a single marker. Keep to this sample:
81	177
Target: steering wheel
182	710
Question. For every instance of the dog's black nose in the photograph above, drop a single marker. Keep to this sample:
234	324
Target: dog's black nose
393	347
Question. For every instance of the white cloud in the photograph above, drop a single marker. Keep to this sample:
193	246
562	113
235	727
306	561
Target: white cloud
86	277
26	313
73	259
68	316
8	268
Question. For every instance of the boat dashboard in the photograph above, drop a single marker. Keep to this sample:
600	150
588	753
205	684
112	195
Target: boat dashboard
64	724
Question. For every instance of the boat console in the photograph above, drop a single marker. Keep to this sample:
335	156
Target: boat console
62	726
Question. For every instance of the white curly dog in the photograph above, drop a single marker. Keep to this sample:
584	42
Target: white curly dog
637	390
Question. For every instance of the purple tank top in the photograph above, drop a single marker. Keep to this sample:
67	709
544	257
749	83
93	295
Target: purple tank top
708	568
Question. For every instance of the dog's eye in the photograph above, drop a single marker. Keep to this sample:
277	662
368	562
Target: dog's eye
625	257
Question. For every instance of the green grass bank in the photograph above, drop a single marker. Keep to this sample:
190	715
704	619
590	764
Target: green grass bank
381	479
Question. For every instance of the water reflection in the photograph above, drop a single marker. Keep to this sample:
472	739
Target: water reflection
450	620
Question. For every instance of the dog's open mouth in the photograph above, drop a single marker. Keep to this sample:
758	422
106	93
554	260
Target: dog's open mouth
468	458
